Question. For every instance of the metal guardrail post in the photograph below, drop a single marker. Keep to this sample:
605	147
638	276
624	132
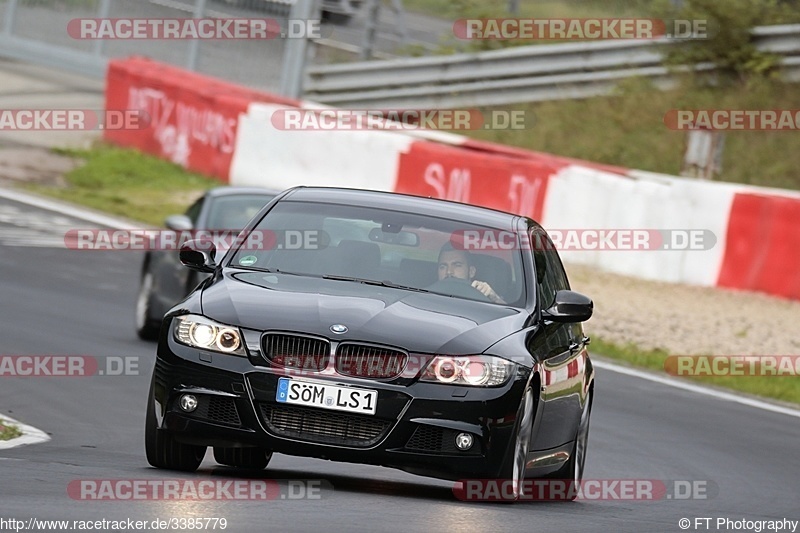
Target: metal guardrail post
102	12
295	53
400	14
11	13
194	44
368	44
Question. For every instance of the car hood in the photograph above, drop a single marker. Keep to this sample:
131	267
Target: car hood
417	322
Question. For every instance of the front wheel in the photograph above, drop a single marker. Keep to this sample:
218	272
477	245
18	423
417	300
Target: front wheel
572	471
161	448
147	328
515	469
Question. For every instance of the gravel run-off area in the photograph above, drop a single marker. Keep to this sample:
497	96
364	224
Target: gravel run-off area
687	320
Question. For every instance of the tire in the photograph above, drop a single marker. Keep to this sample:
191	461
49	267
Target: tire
147	328
161	448
249	458
573	468
514	469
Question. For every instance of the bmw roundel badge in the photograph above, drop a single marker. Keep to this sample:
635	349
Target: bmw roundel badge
339	328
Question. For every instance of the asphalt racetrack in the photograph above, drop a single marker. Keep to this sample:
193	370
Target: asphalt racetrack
742	460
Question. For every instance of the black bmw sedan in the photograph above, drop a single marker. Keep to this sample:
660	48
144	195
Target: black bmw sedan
435	337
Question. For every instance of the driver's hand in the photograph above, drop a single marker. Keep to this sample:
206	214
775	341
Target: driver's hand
488	291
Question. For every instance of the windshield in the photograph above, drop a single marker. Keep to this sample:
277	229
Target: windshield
233	212
363	245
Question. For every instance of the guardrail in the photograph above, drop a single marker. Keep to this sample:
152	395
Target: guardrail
513	75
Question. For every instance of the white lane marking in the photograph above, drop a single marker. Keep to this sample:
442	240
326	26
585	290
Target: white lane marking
678	384
30	435
68	210
77	212
19	227
41	230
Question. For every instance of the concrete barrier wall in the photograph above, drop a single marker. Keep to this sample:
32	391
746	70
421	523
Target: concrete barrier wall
194	119
579	197
269	156
763	245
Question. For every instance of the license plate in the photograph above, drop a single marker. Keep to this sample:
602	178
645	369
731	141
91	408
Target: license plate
327	396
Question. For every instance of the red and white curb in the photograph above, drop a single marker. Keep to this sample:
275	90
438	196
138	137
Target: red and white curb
30	434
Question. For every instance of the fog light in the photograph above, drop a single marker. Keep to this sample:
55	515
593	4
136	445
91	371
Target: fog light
188	403
464	441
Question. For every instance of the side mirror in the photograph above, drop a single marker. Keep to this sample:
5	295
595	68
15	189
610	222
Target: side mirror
178	223
570	306
198	256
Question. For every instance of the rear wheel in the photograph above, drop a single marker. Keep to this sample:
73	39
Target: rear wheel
249	458
147	328
163	451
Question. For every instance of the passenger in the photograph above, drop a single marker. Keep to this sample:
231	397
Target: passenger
457	264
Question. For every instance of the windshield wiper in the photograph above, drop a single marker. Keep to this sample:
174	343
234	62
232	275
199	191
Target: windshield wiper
275	271
384	283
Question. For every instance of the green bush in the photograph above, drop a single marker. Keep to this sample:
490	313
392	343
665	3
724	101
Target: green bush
730	44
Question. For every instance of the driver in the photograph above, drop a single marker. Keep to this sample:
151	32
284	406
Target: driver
457	264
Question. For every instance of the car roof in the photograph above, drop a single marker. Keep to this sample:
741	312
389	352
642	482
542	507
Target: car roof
404	202
230	190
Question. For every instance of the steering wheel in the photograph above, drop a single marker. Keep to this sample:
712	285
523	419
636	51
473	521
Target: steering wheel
458	287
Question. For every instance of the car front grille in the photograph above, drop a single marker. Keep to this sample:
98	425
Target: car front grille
295	351
219	410
324	426
437	440
366	361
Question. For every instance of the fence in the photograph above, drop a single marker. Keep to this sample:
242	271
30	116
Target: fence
36	31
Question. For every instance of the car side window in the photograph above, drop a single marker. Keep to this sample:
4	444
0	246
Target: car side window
194	211
550	274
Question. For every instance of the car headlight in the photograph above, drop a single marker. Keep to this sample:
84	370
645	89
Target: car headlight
475	370
200	332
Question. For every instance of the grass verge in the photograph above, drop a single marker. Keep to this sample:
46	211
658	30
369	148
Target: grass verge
127	183
8	431
783	388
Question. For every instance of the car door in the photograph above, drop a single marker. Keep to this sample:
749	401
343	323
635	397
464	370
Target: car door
561	345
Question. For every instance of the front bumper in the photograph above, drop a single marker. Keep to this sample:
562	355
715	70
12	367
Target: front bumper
413	429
